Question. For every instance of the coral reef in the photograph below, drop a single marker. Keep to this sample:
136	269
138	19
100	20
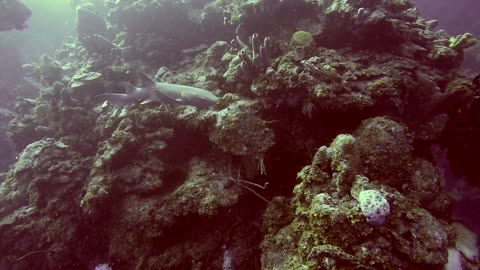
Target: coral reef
239	131
330	228
40	207
312	157
7	156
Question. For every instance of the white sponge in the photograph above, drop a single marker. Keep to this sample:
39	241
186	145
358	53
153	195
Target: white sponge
374	206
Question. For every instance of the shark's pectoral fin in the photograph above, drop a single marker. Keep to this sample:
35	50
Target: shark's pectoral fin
164	98
148	100
118	100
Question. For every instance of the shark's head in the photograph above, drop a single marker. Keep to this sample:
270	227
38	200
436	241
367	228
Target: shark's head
203	101
183	95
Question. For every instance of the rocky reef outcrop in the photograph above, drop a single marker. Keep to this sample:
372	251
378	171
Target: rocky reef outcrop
329	227
314	156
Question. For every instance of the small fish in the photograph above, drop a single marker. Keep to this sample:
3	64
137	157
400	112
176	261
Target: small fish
195	49
166	93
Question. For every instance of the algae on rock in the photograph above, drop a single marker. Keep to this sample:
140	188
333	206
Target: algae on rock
328	229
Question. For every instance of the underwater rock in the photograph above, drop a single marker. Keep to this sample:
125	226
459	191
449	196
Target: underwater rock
386	142
337	81
84	85
149	32
13	15
201	194
241	132
116	168
89	22
329	229
92	32
51	114
33	209
203	69
50	70
6	157
466	241
80	79
149	187
99	45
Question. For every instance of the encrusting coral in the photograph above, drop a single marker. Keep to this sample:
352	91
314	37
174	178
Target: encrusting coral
329	227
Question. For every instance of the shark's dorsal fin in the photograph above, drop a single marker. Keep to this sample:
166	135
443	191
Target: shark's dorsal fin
129	88
146	81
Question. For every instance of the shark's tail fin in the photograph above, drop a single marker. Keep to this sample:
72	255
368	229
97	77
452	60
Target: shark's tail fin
118	100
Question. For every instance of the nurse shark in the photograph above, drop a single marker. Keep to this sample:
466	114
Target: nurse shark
165	93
